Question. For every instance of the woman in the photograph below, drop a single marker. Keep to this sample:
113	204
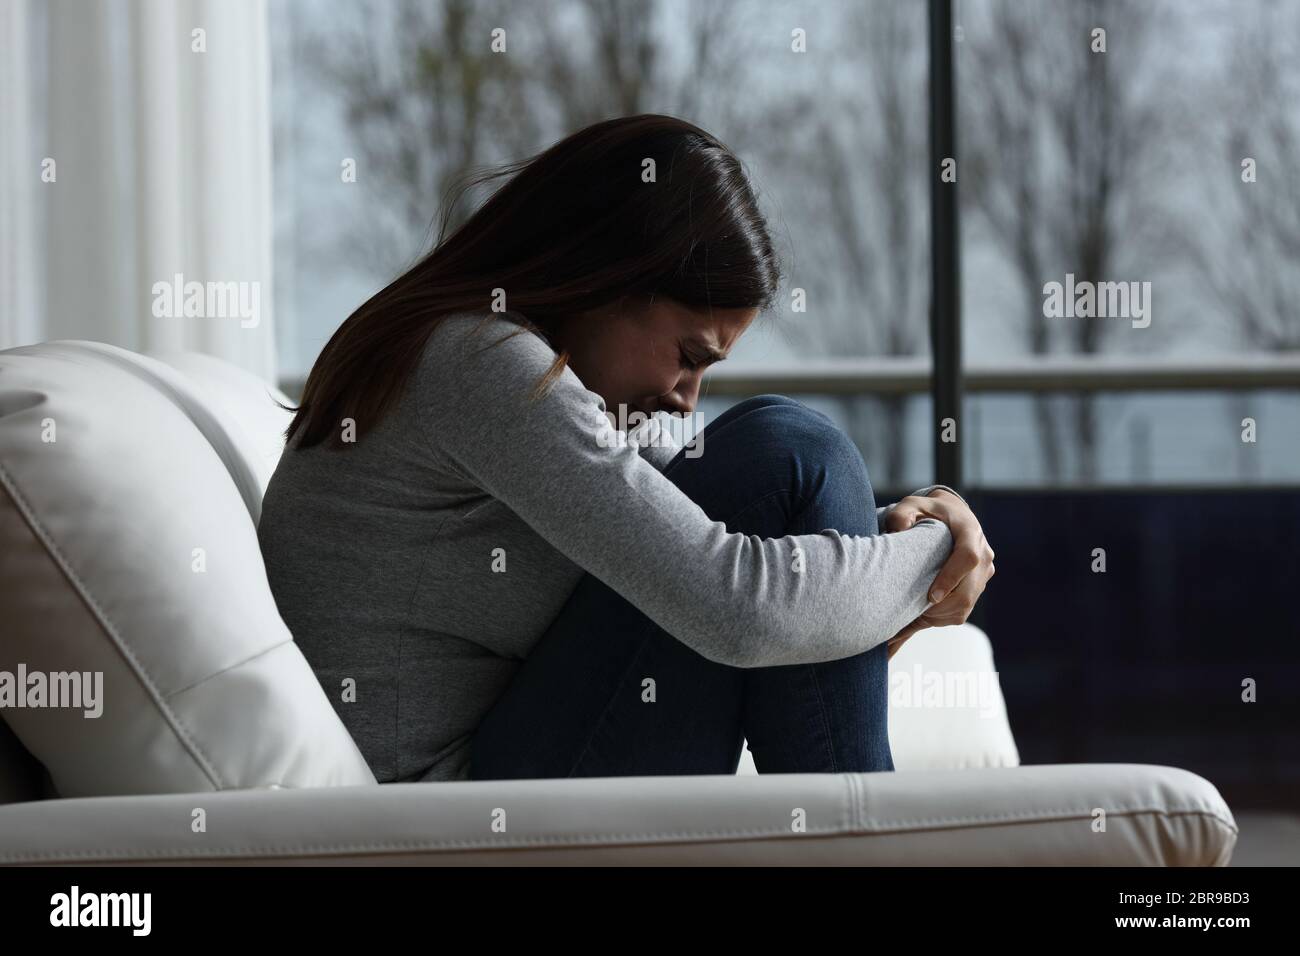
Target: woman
487	586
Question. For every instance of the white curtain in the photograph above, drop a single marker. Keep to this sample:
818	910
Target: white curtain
19	318
156	114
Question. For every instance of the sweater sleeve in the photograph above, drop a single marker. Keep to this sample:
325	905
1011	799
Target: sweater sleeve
557	463
659	447
919	493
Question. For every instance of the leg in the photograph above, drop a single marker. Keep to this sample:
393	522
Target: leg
579	705
841	707
606	692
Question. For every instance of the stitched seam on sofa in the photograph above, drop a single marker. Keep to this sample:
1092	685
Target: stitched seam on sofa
62	563
863	802
1007	818
614	839
225	670
1040	816
860	804
849	818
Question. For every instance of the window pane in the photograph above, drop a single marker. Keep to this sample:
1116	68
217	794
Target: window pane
1130	187
824	102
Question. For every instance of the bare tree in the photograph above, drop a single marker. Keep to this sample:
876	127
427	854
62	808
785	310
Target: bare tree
864	238
428	100
1255	274
603	58
891	145
1249	264
1061	143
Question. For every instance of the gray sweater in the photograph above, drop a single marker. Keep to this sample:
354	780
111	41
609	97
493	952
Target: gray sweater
417	567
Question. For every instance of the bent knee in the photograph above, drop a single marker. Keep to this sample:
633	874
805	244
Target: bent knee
812	436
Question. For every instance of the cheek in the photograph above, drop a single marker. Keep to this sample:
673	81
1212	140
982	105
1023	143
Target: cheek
634	366
660	379
645	374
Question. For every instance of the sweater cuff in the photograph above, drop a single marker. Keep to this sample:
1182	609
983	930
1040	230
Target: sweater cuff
882	512
931	489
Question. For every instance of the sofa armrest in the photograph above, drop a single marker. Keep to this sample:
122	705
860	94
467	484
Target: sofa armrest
1036	815
946	710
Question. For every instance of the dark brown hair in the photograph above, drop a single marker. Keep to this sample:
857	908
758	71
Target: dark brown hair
576	228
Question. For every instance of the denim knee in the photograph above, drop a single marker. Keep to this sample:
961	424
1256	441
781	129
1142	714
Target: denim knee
755	402
745	406
812	437
770	398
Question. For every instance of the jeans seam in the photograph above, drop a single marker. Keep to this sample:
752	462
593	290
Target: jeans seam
826	724
646	634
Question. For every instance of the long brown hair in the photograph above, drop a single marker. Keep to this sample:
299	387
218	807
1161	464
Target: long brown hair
577	227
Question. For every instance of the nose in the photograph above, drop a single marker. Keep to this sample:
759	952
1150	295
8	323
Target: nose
682	399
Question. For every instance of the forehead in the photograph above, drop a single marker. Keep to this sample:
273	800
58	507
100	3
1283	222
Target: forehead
718	327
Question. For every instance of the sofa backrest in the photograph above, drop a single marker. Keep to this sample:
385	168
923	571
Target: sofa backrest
128	550
22	776
252	412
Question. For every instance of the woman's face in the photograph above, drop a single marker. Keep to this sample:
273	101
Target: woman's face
650	358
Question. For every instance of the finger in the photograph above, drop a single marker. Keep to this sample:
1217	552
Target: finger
905	513
946	620
896	520
957	606
929	507
964	559
896	642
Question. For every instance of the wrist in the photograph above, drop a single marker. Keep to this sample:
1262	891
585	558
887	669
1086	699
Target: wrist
943	491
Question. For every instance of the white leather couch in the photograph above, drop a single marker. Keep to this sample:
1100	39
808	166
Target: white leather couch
130	487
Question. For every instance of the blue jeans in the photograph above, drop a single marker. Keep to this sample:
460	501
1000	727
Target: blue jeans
581	704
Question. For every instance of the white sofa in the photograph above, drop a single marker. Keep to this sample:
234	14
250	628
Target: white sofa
130	487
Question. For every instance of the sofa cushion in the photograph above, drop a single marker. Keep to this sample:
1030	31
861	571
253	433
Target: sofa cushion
129	554
251	408
222	431
1043	815
946	710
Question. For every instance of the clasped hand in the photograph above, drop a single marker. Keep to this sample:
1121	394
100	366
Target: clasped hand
961	580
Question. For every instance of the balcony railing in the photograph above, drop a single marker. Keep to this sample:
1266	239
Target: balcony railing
1048	373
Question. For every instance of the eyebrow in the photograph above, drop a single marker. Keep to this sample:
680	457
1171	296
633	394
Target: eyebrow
713	352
